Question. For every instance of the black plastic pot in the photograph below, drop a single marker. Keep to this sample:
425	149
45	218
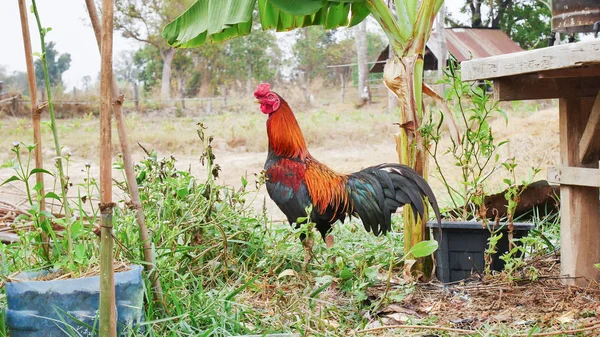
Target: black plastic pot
51	308
462	246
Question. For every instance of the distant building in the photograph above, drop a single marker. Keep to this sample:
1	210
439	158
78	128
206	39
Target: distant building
464	44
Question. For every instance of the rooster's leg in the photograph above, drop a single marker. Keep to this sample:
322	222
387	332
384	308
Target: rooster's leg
308	255
329	241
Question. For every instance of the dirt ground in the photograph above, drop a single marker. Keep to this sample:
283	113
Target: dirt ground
497	306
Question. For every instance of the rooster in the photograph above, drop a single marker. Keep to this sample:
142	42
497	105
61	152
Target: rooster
298	182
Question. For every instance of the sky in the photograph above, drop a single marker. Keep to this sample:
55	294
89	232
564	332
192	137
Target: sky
72	33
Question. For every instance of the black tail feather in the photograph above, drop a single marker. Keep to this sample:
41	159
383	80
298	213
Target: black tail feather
376	192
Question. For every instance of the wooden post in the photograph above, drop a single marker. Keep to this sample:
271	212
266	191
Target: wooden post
108	319
128	165
35	112
580	208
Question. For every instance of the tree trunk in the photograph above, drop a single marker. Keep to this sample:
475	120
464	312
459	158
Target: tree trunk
475	6
136	96
503	6
343	83
165	85
305	73
363	69
249	80
305	85
180	87
399	76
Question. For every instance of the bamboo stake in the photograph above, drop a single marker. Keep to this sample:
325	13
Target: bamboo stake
157	292
35	112
108	322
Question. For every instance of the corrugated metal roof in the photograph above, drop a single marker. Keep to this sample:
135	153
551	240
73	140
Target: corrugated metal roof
467	43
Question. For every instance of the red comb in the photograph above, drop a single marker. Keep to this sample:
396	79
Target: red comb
262	90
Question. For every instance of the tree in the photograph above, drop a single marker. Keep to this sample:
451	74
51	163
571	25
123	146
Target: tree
147	59
17	81
311	44
182	64
86	82
255	57
526	22
219	20
126	70
57	65
142	21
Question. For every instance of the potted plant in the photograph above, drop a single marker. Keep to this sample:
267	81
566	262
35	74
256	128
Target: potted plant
61	291
470	239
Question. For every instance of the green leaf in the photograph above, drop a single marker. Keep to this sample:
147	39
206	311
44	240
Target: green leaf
299	7
39	170
218	20
244	182
424	248
182	192
47	214
38	186
52	195
337	16
346	273
80	252
210	20
597	265
11	179
372	272
358	13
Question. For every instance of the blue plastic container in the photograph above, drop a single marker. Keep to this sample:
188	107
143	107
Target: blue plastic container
46	308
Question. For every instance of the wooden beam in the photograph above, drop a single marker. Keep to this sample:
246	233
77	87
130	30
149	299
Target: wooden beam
563	56
588	145
576	176
571	72
580	208
530	86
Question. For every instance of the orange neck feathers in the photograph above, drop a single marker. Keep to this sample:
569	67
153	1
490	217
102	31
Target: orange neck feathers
285	136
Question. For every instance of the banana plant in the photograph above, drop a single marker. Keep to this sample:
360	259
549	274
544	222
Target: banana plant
408	31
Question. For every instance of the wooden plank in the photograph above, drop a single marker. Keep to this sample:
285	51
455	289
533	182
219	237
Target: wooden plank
571	72
588	145
577	176
551	58
530	86
580	208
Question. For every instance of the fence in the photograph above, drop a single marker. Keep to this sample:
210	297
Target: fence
15	106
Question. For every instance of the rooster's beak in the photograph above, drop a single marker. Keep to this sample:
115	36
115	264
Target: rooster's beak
257	101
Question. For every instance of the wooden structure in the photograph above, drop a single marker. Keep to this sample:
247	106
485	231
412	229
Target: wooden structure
571	73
